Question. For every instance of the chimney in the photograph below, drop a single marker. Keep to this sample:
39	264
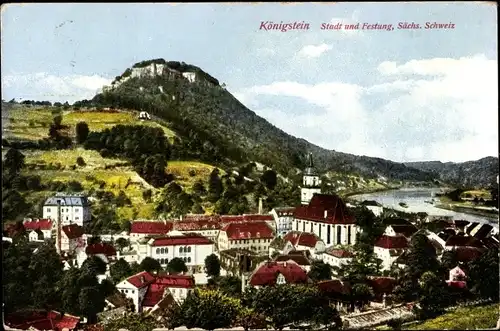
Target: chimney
143	280
284	264
326	213
260	206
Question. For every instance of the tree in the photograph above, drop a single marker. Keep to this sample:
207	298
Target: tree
133	322
122	200
248	318
82	132
422	256
14	161
215	187
46	270
230	285
149	264
146	195
80	161
94	265
91	302
120	270
209	310
58	121
362	265
269	179
199	188
320	271
176	265
483	275
433	294
122	243
212	265
197	209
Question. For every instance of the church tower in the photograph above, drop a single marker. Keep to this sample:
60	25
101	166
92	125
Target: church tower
311	183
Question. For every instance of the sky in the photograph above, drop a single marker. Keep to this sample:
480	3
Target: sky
402	94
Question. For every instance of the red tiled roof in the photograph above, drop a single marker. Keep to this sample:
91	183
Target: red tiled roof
141	279
382	284
100	248
153	227
225	219
43	224
334	286
336	211
466	254
464	241
253	230
457	283
405	230
299	259
157	289
196	225
188	239
73	231
301	238
339	253
391	242
153	295
200	218
42	320
267	274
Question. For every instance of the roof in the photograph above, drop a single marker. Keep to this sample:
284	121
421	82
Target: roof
310	170
483	231
464	241
73	231
197	224
392	242
151	227
405	230
38	224
395	221
141	279
100	248
338	253
188	239
335	208
466	254
67	200
300	259
460	222
490	242
471	227
42	320
457	283
157	288
381	284
225	219
371	203
302	238
235	252
267	273
334	286
253	230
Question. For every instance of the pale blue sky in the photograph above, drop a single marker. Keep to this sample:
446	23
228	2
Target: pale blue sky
328	87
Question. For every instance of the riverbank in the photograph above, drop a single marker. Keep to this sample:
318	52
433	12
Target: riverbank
350	194
468	210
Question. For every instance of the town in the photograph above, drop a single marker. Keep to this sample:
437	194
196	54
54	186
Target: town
372	265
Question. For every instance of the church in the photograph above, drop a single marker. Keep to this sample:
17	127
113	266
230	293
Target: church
324	215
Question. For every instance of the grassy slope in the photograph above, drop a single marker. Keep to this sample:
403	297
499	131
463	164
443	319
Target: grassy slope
32	123
468	318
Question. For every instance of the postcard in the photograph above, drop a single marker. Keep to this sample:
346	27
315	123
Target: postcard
250	166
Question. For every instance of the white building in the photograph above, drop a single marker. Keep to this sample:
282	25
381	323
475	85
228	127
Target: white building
72	209
327	217
304	241
192	248
336	257
253	236
141	229
283	217
38	230
71	238
389	248
205	225
311	184
135	287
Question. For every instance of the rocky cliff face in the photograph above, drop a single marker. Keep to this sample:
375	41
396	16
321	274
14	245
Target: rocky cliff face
481	173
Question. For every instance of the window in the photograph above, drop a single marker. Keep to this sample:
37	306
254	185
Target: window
76	218
312	228
166	250
297	226
157	251
348	235
189	260
166	261
181	249
304	227
328	229
162	251
132	291
320	231
189	249
339	234
77	210
48	210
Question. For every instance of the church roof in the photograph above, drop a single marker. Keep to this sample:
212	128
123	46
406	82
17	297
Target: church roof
310	170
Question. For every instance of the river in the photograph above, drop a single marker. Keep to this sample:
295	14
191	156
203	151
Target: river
415	199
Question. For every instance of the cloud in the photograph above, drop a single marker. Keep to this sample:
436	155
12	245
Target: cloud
430	109
314	51
43	86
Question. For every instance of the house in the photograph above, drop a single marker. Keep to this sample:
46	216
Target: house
311	183
336	257
462	241
482	231
283	217
141	229
71	237
327	217
105	251
254	236
207	226
467	254
337	291
472	227
38	230
296	240
273	273
302	258
144	115
176	285
382	286
406	230
376	208
231	260
190	247
116	305
135	288
248	218
457	278
70	209
41	320
388	248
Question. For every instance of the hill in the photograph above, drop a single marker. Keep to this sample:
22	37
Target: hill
476	174
222	129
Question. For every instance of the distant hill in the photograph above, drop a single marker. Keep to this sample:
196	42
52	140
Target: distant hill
479	173
220	126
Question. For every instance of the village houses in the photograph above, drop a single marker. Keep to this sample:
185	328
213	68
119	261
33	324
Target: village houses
68	208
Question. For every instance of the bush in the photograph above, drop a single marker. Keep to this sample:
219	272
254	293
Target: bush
75	186
80	161
192	173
